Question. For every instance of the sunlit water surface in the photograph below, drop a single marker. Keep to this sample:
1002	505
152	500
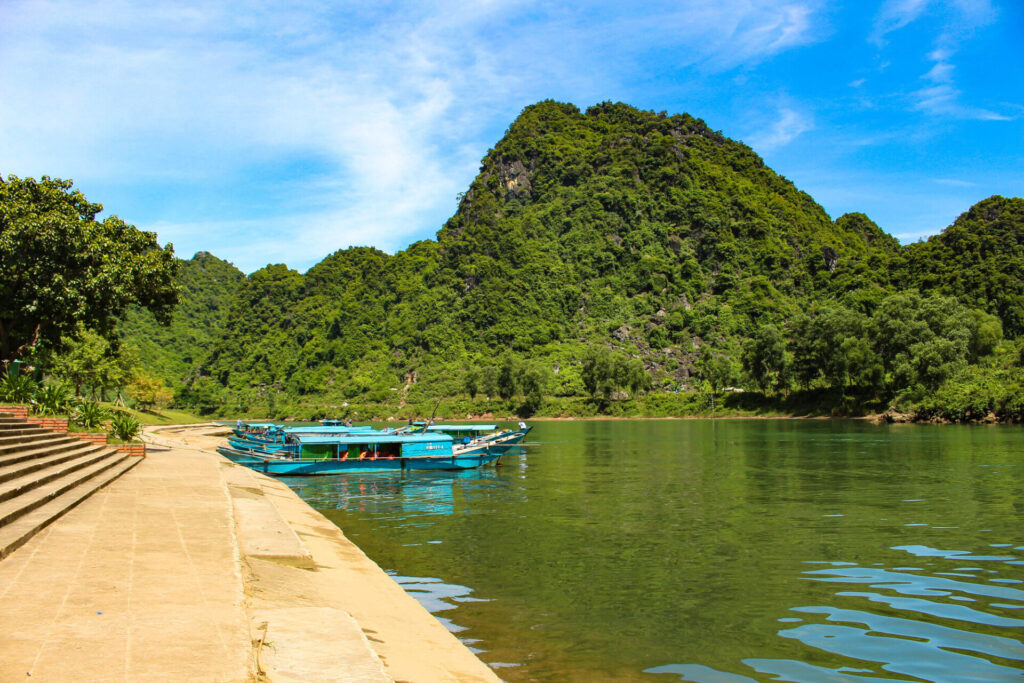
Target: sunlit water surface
716	552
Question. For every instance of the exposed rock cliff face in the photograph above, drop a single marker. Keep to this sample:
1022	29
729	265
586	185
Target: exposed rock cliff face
515	178
831	258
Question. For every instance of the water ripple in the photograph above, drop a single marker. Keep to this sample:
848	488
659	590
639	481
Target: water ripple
911	584
924	635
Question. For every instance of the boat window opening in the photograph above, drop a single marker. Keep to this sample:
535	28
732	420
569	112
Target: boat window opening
316	451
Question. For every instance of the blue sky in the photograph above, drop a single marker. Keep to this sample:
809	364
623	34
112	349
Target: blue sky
285	131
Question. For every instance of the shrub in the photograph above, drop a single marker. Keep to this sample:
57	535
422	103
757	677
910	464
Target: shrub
53	399
124	426
90	415
17	388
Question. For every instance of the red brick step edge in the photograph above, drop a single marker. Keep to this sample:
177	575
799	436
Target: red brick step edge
60	425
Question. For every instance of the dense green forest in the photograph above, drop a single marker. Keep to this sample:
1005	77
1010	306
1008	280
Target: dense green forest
175	352
615	261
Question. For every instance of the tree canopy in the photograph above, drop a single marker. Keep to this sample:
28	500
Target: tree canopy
61	268
612	252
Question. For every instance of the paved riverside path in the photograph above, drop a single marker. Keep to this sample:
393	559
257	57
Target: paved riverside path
192	568
140	582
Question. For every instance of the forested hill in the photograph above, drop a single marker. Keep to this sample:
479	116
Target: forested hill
646	244
208	285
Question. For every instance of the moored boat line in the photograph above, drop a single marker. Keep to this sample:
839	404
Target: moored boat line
336	449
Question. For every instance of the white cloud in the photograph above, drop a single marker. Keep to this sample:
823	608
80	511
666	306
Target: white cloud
961	19
291	132
789	124
726	34
943	98
941	72
894	15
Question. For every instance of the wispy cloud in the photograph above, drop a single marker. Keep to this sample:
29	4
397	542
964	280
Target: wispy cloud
940	97
894	15
187	95
731	33
788	124
282	134
953	182
943	99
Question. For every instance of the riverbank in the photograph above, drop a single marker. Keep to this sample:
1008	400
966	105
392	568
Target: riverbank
192	568
803	404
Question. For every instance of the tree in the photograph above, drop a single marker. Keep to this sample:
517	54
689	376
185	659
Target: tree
206	396
60	267
633	375
507	379
603	373
471	382
597	372
149	391
832	345
715	370
81	361
89	360
765	358
986	333
533	381
924	340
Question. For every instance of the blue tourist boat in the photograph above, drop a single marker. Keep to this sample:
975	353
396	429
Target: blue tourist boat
471	439
271	437
304	455
464	432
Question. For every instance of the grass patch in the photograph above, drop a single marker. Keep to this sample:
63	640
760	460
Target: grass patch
75	427
166	416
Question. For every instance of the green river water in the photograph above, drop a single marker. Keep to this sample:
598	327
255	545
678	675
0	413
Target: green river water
715	551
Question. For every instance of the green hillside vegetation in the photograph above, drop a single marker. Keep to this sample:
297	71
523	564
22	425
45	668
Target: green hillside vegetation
623	262
176	352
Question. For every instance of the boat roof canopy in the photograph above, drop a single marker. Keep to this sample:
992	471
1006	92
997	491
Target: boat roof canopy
327	429
462	428
369	437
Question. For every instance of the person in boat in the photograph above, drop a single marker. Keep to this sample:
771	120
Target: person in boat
522	425
348	422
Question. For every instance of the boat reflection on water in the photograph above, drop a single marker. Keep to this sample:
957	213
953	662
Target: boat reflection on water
409	496
401	493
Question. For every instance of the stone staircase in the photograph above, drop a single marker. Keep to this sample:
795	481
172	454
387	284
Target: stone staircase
44	474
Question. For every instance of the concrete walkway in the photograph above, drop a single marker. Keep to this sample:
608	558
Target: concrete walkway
190	568
140	582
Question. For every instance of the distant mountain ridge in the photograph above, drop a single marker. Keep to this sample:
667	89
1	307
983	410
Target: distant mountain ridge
647	233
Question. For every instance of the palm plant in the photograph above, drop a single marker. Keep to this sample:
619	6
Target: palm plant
53	399
17	388
90	415
124	426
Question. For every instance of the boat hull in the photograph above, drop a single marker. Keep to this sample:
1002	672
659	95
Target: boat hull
288	467
497	444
